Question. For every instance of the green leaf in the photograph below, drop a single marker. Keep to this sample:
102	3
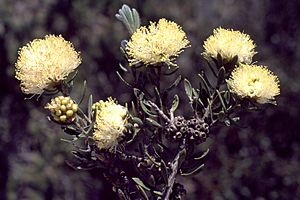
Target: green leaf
200	102
232	62
71	131
221	100
175	83
146	110
219	60
150	180
138	94
66	87
121	195
205	84
175	103
129	126
135	132
194	171
211	68
137	120
158	96
221	76
90	107
136	17
159	193
122	79
83	92
134	112
129	17
202	155
153	122
188	89
123	68
144	193
227	97
140	183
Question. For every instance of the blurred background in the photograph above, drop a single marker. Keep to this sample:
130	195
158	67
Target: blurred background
258	162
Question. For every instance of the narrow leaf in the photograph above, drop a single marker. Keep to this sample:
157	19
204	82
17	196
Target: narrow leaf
137	20
123	68
82	93
139	94
143	192
122	79
140	183
219	60
153	122
205	83
221	76
175	83
158	96
202	155
137	120
175	103
211	68
188	89
90	107
221	100
146	110
134	112
197	170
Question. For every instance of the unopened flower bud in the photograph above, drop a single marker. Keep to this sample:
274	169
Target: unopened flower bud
74	107
63	109
70	113
63	118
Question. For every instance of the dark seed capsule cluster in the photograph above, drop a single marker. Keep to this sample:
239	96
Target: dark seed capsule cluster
195	130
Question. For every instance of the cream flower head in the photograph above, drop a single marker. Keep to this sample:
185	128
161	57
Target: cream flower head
255	82
109	124
229	43
157	43
42	63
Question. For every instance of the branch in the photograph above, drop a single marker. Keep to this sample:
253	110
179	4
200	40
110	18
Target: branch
159	111
174	167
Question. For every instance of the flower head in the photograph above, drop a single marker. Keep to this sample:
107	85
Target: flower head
109	124
160	42
255	82
228	44
63	109
42	63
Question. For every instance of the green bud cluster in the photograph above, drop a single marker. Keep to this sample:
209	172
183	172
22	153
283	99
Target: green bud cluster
63	109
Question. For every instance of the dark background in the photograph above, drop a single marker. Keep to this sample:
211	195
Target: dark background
261	161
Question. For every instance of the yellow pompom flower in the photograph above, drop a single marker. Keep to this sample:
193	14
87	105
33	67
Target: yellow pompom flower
42	63
160	42
255	82
229	43
109	124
